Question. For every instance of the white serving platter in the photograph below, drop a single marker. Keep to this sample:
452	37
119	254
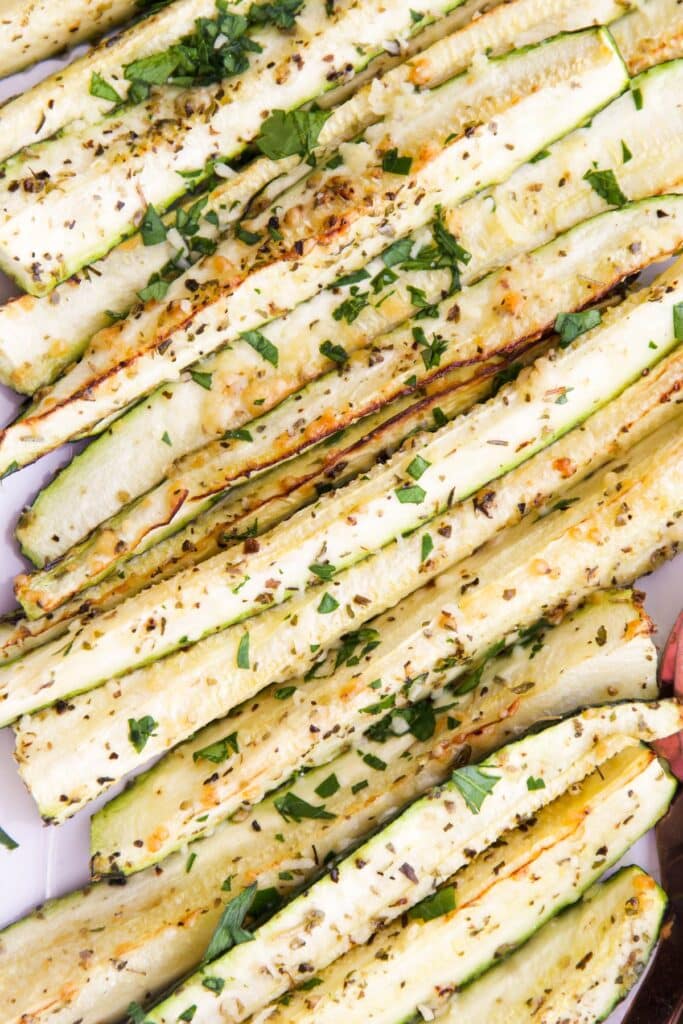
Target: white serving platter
50	861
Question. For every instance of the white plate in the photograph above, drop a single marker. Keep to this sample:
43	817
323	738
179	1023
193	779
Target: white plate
51	861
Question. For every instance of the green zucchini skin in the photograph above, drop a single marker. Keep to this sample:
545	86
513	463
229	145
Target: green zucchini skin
132	357
608	939
276	740
568	669
496	227
354	898
564	276
380	512
501	898
161	691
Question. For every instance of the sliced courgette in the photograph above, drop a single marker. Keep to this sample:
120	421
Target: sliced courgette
650	34
567	667
561	278
547	88
413	856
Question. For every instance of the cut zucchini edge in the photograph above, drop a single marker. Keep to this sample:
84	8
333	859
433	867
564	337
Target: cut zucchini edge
537	871
168	805
354	34
351	898
479	335
626	340
63	412
60	516
609	937
37	339
579	671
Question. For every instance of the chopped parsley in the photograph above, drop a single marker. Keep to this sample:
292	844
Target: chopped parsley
219	751
570	325
328	787
156	289
294	808
291	133
243	652
229	930
426	547
323	571
375	762
152	227
327	604
532	783
351	308
410	494
102	89
7	841
395	164
431	351
214	984
474	785
337	353
607	187
262	345
417	467
140	730
440	903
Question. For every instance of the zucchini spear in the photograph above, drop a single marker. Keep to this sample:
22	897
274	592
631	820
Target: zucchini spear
38	337
650	34
578	966
329	225
422	849
486	909
547	400
501	315
566	669
30	32
542	200
417	647
153	152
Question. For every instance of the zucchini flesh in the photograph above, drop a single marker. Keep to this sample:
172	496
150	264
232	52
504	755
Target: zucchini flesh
31	32
364	515
257	505
546	89
568	671
501	898
222	119
369	886
564	276
431	632
31	333
495	228
283	637
607	937
650	34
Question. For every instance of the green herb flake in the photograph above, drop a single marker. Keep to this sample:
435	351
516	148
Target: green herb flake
355	277
154	291
397	253
243	652
140	730
678	321
262	345
205	380
294	808
474	785
375	762
637	95
357	786
219	751
214	984
431	350
102	89
337	353
426	548
328	787
152	227
327	604
440	903
439	417
323	571
166	439
351	308
542	154
418	467
410	495
570	325
246	236
190	863
626	153
229	930
284	692
605	184
392	163
532	783
7	841
291	133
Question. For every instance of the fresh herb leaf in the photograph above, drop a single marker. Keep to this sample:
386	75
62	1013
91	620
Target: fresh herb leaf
156	290
410	495
357	786
395	164
293	808
431	351
474	785
291	133
607	187
284	692
262	345
355	277
7	841
397	253
418	467
152	227
166	439
440	903
102	89
243	651
337	353
366	638
542	154
140	730
532	783
327	604
281	13
426	548
328	787
205	380
229	930
219	751
246	236
214	984
375	762
570	325
323	571
626	153
351	308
